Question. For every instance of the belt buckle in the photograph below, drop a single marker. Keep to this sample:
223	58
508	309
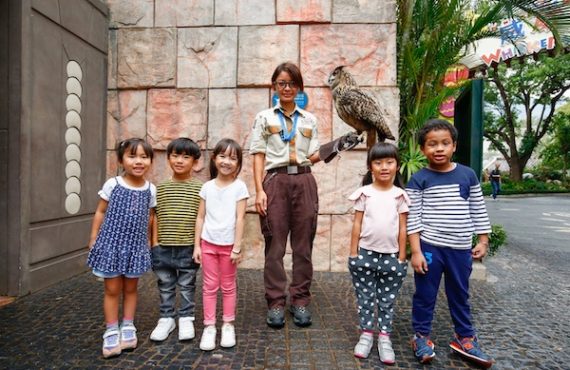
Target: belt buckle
292	170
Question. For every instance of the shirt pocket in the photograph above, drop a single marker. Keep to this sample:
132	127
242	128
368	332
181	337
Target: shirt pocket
304	140
464	191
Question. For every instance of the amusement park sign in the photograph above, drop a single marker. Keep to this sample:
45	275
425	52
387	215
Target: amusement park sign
517	38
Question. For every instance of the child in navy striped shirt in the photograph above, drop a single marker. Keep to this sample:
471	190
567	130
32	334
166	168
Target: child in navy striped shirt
447	208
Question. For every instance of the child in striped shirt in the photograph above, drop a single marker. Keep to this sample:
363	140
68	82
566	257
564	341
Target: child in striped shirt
447	208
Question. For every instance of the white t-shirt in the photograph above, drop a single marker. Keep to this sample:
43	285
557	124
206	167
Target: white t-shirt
221	208
381	219
109	185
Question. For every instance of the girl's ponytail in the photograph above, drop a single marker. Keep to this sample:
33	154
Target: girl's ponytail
367	179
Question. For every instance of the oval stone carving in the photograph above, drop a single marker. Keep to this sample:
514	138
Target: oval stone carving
72	168
72	185
74	70
73	86
73	119
73	103
73	136
73	153
72	203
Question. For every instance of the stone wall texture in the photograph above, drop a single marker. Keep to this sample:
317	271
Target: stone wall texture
202	69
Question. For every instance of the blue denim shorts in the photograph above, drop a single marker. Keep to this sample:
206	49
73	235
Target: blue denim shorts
111	275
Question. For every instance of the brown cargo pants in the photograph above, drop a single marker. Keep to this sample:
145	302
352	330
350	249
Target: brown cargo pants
292	207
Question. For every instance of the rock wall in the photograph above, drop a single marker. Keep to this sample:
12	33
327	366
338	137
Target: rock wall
202	69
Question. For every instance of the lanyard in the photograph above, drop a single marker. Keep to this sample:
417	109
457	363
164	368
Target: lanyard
286	135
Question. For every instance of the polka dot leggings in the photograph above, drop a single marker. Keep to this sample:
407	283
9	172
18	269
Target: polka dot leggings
377	279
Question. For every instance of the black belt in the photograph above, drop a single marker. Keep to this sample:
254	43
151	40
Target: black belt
291	170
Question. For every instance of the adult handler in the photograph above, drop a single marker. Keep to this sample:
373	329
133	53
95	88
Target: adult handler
284	146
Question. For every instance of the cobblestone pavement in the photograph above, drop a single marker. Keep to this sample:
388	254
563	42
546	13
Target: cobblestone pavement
521	314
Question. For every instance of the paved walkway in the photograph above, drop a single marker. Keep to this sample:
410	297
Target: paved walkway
521	313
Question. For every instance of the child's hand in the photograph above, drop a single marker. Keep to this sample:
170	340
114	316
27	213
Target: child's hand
197	255
235	257
419	263
480	250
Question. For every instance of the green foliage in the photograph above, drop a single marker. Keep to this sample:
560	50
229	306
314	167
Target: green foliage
412	159
497	239
557	151
528	186
520	106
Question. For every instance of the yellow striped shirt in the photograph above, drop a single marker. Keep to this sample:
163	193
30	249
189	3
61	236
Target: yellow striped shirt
176	208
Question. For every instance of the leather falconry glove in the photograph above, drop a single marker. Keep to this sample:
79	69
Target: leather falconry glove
346	142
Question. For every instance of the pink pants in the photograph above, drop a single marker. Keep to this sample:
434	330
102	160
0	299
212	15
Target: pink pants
218	272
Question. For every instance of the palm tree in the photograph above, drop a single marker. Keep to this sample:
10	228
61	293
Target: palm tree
433	35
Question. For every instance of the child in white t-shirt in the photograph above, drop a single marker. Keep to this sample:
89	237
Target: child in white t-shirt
219	230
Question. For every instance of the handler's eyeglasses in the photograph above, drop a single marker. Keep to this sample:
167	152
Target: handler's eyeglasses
284	84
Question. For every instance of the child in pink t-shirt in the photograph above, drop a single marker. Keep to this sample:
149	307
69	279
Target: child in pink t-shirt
377	260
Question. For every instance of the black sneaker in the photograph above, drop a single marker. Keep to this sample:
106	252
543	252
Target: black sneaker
276	317
301	315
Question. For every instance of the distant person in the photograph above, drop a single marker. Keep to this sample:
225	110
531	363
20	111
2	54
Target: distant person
120	242
377	260
177	201
447	209
495	178
217	246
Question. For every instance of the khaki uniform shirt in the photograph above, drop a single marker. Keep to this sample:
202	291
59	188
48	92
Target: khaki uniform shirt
278	153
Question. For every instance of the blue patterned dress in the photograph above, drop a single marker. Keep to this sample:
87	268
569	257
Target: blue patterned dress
122	245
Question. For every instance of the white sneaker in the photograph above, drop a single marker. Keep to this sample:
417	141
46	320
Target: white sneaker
228	335
364	345
208	341
164	327
186	328
385	350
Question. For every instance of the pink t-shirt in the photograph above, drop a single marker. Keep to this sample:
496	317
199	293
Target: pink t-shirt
381	219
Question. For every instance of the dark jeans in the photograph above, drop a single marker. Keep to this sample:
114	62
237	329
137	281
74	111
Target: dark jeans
292	208
496	188
174	266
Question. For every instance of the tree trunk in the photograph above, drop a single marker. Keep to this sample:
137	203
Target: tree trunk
516	169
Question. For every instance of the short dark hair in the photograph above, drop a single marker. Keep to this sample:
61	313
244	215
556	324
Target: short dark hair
131	146
293	72
435	125
221	147
381	150
183	145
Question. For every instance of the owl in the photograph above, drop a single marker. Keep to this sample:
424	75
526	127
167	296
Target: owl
357	108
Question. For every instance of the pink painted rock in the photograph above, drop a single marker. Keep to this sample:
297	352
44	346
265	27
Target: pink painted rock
245	12
320	104
368	51
262	48
364	11
207	57
131	13
340	249
126	116
322	244
303	11
338	179
147	57
253	244
184	13
175	113
232	112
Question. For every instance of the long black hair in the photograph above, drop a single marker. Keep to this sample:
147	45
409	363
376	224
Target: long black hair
130	146
379	151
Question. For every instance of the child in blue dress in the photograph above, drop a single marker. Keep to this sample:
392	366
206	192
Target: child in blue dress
119	242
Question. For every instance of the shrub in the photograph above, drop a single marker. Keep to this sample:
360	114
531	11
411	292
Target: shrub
497	239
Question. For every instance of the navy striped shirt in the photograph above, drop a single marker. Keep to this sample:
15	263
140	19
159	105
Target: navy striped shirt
447	207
